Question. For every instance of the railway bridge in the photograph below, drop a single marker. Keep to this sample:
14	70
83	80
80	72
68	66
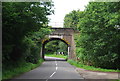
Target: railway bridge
64	34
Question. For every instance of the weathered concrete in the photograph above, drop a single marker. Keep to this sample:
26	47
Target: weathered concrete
64	34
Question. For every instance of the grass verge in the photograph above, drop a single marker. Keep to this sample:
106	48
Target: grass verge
25	67
91	67
58	56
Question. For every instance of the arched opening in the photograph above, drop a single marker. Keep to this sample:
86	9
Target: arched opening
56	46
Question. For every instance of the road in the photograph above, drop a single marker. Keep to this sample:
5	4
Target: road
52	68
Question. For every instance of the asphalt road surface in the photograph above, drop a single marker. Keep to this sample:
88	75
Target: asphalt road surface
52	68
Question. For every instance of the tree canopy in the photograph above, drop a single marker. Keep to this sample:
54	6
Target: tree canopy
98	42
55	46
24	26
71	20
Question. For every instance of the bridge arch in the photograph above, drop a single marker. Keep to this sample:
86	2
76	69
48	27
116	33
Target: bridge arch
64	34
50	39
45	41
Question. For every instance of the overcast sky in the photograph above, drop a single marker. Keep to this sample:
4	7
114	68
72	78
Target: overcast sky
63	7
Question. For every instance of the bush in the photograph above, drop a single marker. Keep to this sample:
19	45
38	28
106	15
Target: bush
98	42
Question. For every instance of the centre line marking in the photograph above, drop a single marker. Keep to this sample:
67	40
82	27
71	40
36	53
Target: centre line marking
56	68
55	62
52	74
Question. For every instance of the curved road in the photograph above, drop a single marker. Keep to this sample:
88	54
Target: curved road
52	68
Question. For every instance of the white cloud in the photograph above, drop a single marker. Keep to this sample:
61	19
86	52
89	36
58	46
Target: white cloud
63	7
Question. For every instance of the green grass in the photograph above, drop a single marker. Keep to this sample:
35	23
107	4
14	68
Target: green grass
91	67
25	67
58	56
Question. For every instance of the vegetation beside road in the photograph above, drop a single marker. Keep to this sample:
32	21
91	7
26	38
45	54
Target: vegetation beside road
24	26
98	42
15	70
58	55
92	68
55	47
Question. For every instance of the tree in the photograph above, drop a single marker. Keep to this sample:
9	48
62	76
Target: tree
71	20
51	47
55	46
99	40
20	21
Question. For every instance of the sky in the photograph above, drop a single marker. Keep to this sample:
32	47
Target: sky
63	7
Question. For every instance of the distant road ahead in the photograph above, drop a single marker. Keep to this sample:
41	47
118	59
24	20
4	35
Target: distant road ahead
52	68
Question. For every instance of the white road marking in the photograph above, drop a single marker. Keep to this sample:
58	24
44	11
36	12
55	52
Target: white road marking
55	62
52	74
56	68
46	79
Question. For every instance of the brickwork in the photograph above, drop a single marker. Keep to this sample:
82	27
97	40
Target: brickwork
64	34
